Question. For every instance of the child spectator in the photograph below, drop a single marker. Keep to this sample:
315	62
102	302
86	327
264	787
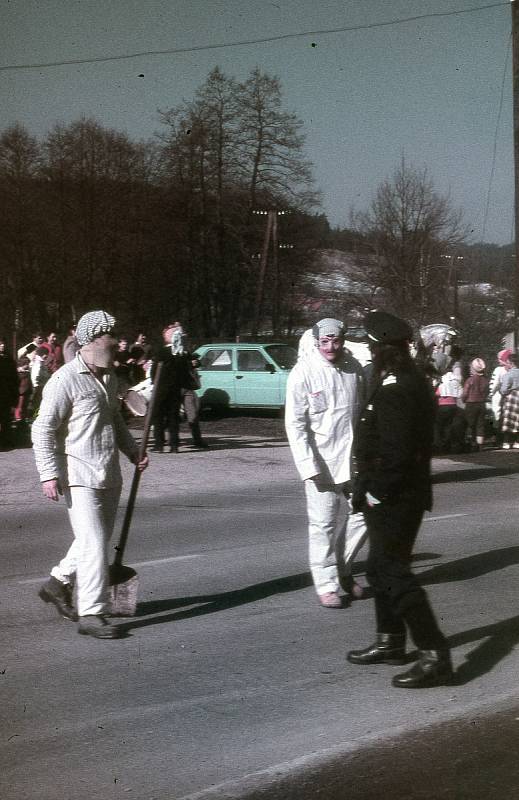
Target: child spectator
475	391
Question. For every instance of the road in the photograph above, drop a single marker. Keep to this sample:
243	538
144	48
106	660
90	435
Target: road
232	681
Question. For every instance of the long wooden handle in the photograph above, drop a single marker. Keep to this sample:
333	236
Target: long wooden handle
120	546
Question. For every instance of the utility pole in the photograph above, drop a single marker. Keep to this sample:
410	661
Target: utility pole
271	232
515	91
271	216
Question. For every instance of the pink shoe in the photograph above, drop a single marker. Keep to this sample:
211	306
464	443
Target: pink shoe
330	600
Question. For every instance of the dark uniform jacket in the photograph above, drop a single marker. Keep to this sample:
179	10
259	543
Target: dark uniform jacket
393	441
177	371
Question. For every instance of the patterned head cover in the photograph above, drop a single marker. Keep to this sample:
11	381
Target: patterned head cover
328	327
93	324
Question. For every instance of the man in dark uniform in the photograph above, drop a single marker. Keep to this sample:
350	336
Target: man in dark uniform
393	447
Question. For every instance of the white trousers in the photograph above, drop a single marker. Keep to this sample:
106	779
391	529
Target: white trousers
335	534
92	517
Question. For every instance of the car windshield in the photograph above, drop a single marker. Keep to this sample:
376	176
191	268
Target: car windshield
284	355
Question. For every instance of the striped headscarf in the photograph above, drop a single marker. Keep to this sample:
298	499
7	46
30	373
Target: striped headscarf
93	324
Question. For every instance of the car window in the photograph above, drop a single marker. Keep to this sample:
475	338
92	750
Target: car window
219	358
284	355
251	361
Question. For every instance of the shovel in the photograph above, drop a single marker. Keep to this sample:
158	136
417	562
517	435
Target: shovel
124	580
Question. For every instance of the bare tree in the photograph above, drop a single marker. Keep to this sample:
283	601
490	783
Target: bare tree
271	144
407	227
229	149
20	248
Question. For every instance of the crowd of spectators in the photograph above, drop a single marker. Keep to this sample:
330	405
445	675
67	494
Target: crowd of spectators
473	406
24	374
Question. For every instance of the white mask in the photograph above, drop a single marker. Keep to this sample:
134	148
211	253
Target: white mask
99	353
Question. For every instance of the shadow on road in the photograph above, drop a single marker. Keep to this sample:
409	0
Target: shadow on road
208	604
221	443
500	640
500	637
463	569
465	475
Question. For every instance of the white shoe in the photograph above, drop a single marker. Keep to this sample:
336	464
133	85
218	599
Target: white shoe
516	446
506	446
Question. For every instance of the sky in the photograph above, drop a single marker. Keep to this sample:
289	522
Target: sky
436	91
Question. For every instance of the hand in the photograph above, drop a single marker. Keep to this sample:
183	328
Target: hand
52	489
371	500
140	463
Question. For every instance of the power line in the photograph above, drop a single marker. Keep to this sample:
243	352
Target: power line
265	40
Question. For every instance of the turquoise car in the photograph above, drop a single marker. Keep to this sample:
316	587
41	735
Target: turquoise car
244	375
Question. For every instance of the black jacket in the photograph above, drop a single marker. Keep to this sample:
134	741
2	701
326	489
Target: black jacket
393	440
177	371
8	381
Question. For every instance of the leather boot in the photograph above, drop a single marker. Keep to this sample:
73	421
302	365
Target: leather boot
389	648
197	436
60	595
434	668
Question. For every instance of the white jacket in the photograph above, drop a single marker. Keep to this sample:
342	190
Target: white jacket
323	401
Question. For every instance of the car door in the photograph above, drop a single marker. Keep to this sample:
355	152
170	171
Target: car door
217	382
257	379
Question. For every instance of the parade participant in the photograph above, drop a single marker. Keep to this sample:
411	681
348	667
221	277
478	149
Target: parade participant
393	447
177	385
323	398
76	439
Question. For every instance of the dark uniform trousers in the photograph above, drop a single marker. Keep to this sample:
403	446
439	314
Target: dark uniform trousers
399	598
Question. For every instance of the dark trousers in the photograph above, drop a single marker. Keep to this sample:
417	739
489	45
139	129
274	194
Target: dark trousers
5	424
166	416
400	601
475	416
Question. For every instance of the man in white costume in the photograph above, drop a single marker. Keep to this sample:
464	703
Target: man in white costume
77	437
325	394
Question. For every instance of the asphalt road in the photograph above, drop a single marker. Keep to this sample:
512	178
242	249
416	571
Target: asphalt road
232	681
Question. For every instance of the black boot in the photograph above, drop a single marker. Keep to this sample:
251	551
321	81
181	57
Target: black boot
388	649
197	436
434	668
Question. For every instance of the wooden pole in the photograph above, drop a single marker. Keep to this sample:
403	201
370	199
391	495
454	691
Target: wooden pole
262	272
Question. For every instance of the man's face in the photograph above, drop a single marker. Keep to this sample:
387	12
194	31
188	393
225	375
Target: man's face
38	340
123	344
52	338
331	347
